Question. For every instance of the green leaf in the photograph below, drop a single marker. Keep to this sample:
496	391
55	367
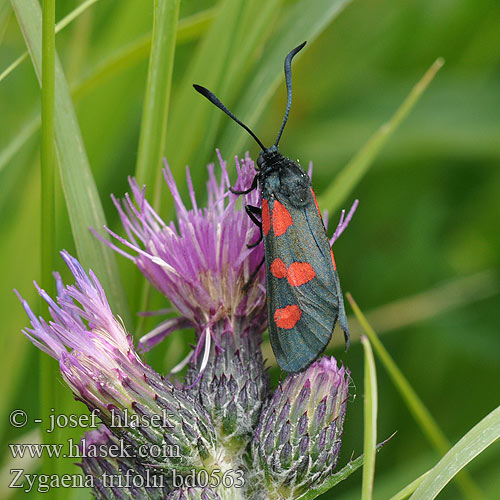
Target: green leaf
188	118
336	478
339	476
18	141
353	172
470	446
155	108
370	421
82	200
190	28
295	27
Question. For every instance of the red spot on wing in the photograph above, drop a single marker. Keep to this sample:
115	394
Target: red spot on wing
287	317
316	202
300	273
278	268
333	260
266	220
282	219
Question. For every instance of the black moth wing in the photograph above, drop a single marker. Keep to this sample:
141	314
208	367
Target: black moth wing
320	299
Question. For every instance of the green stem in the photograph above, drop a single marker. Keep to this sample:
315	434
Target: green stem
370	421
49	369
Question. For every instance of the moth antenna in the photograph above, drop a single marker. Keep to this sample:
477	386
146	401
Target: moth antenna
288	79
214	100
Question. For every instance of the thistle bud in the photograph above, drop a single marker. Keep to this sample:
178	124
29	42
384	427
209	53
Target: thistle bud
219	423
233	385
298	437
117	478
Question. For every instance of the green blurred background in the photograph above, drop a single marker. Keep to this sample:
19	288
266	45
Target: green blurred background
421	256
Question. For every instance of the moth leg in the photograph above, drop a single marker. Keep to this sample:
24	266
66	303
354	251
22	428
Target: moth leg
246	191
252	277
252	212
253	245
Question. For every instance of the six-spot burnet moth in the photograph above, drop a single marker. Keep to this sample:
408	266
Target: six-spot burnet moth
304	298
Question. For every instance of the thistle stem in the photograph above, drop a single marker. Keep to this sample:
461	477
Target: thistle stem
49	369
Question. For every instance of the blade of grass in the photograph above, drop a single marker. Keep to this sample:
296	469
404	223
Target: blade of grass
429	304
417	408
256	24
47	147
191	27
486	432
188	29
48	367
5	11
59	27
370	421
209	63
343	184
295	27
79	44
78	11
82	200
155	109
410	488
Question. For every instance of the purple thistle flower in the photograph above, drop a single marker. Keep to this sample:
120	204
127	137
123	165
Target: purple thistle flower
102	368
95	338
222	421
203	265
